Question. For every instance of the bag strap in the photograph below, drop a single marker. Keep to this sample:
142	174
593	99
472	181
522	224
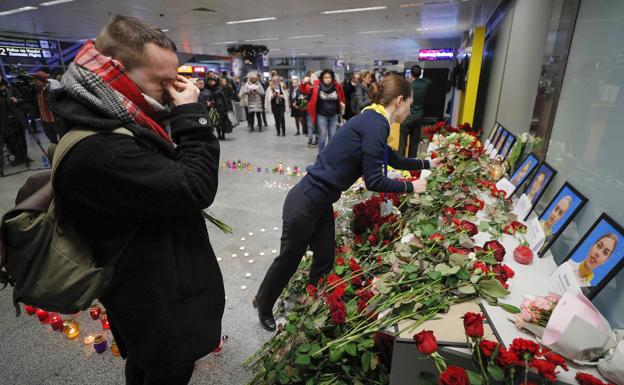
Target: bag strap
70	139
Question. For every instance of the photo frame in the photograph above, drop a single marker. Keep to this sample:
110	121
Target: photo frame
501	140
497	135
599	253
561	210
539	183
493	133
509	142
527	166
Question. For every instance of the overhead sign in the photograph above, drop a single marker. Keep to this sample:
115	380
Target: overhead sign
435	54
386	62
185	69
28	48
199	69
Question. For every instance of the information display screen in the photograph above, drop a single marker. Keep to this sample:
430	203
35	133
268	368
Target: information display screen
435	54
15	47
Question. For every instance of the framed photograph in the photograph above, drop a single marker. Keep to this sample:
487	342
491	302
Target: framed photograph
540	181
598	256
527	166
497	135
559	213
509	142
501	140
493	133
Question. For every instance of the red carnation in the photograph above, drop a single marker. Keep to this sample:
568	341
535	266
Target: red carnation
508	358
340	261
545	369
473	324
426	342
471	208
488	347
354	266
436	237
470	228
453	375
496	248
555	359
311	289
588	379
373	240
525	349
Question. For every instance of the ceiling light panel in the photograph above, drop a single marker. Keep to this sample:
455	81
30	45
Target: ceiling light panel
304	36
263	39
55	2
17	10
251	20
333	12
383	31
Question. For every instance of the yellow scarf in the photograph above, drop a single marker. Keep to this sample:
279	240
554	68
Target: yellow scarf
585	272
378	108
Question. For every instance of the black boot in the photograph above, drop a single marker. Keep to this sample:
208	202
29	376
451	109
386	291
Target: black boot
266	318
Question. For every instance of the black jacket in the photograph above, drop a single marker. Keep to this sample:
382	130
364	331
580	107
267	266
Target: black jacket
167	296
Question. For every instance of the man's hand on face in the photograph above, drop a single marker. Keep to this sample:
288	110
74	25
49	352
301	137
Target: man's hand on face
181	91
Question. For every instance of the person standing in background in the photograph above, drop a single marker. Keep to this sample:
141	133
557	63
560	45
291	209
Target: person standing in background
410	128
326	105
295	111
254	92
362	93
349	90
50	128
306	89
277	99
265	85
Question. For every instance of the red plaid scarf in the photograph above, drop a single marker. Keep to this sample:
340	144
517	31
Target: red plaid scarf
113	75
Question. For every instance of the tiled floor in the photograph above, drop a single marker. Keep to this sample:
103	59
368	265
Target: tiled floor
248	201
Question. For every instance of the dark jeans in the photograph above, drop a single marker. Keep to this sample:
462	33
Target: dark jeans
410	128
280	122
304	224
250	120
135	375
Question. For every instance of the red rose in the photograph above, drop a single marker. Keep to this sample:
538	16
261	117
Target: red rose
449	211
473	324
434	155
518	226
426	342
478	250
471	208
453	375
587	379
545	369
555	359
436	237
311	289
508	358
470	228
358	239
354	266
356	281
340	261
488	347
523	255
379	259
456	250
525	349
481	203
373	240
497	249
480	266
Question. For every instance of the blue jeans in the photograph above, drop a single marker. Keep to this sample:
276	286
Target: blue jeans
327	126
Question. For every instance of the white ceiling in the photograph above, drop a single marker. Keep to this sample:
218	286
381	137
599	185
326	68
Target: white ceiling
404	29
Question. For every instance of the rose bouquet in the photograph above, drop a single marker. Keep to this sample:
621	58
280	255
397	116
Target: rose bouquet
536	311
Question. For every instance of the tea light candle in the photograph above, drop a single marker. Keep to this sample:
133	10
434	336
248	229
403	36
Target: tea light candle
57	322
100	345
89	340
95	311
104	319
71	329
30	310
42	315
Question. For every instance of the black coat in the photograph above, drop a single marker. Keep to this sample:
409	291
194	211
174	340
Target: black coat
167	297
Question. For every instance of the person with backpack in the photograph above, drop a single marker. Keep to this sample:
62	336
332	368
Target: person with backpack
217	107
138	194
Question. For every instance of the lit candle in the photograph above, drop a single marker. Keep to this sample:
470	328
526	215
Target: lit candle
104	319
100	344
71	329
30	310
57	322
42	315
89	340
95	311
115	350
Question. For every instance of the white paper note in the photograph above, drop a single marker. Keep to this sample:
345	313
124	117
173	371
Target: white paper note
522	207
535	235
505	185
487	143
563	280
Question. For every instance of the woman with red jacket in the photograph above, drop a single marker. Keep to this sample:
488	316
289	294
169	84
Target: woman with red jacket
327	103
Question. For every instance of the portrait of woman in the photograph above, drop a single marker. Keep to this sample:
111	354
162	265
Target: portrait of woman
538	184
598	254
526	168
509	142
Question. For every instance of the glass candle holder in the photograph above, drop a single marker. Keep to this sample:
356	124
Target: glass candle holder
89	340
104	320
56	322
42	315
95	311
71	329
30	310
100	345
